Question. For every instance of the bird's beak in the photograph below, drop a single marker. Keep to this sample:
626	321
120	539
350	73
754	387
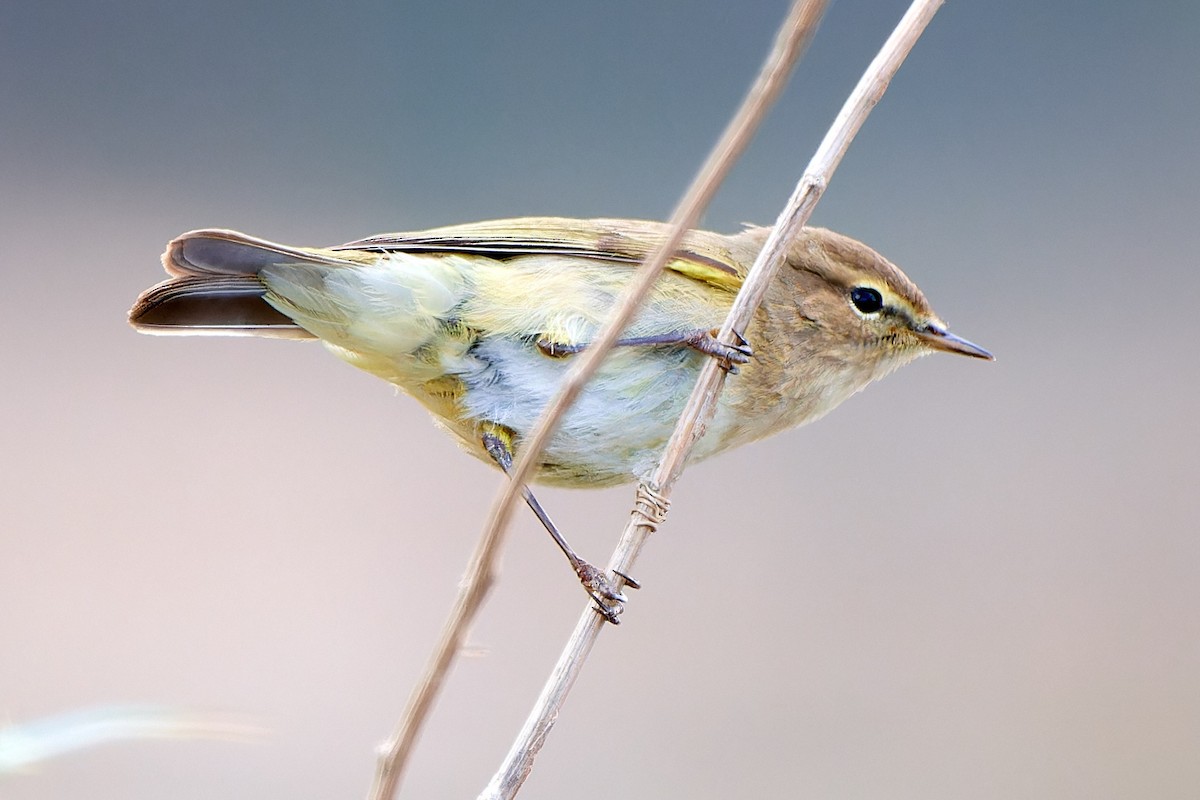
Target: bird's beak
937	337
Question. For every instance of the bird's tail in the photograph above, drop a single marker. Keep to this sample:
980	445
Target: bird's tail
215	287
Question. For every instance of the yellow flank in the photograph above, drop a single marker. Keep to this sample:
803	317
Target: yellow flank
706	272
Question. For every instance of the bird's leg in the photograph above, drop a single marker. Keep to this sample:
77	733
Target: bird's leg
497	441
701	340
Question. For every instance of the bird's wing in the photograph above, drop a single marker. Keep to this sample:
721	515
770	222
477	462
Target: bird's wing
702	256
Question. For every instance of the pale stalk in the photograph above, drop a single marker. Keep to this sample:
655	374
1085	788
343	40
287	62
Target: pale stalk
653	499
793	36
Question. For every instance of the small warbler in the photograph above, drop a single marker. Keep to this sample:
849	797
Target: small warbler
478	323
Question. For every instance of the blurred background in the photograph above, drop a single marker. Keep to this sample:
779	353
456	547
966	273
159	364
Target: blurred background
974	580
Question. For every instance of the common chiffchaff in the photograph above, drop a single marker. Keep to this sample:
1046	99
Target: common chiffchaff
478	322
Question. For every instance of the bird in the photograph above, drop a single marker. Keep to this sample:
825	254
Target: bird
478	322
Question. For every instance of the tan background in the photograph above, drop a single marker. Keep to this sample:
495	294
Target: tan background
972	581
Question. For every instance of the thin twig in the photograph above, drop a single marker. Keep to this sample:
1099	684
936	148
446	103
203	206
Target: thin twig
653	499
794	35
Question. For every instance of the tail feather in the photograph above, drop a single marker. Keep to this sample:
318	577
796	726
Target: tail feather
215	251
215	287
230	305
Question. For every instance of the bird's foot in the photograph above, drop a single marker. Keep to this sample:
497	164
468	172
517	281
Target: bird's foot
728	355
610	601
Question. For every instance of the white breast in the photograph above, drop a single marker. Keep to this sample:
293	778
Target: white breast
618	426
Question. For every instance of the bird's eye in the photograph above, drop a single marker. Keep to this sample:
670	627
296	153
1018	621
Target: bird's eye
866	299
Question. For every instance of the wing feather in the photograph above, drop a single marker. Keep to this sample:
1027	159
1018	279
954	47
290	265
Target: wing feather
703	256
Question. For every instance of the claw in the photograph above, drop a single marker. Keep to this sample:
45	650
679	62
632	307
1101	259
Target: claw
742	346
611	614
630	582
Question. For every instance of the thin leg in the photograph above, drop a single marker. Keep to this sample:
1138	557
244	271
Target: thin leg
608	597
704	341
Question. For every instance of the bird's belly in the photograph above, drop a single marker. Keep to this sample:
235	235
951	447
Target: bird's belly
617	428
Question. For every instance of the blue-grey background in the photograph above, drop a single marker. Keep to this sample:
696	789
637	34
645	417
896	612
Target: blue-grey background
974	580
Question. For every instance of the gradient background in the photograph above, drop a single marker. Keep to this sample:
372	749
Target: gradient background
974	580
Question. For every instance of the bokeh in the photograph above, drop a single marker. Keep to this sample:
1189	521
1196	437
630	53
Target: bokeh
974	580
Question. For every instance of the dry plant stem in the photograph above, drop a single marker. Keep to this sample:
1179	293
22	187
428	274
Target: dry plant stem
653	499
874	82
795	33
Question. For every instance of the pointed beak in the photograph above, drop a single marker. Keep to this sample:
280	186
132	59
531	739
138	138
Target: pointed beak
936	336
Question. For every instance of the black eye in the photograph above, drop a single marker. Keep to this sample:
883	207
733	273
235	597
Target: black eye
866	299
